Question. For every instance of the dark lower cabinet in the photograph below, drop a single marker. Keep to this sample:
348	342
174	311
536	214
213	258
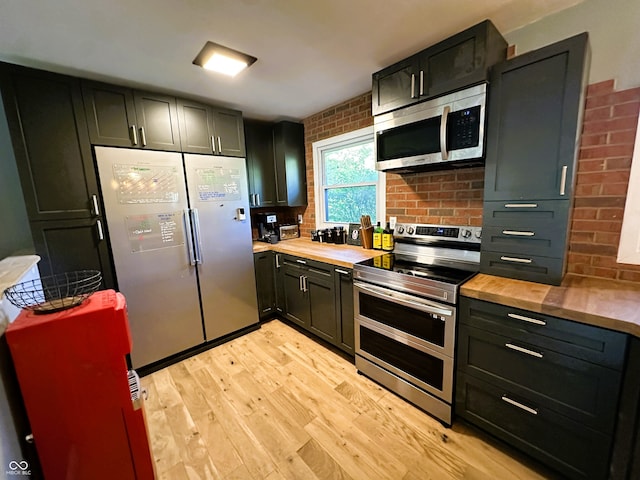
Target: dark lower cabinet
265	283
344	309
548	386
69	245
309	293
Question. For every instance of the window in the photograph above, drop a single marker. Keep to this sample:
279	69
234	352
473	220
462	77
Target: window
347	184
629	249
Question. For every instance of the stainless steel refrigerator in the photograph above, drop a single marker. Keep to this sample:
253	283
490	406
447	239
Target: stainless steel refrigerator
180	235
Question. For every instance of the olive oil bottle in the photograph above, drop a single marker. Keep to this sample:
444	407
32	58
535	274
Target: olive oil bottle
377	237
387	239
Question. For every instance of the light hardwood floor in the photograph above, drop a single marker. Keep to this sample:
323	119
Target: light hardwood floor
275	404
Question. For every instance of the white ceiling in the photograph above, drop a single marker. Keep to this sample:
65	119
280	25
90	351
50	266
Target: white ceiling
312	54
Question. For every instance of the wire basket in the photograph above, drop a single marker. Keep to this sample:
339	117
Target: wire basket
55	292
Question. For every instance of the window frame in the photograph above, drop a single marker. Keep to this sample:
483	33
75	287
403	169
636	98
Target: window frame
331	143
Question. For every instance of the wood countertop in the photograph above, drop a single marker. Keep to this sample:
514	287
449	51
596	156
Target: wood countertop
340	255
603	303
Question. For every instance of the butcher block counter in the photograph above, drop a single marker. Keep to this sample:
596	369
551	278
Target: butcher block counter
341	255
603	303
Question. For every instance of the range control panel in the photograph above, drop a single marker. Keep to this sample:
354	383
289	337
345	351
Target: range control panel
467	233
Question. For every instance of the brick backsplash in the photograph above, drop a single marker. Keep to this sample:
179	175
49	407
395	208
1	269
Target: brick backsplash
454	197
604	163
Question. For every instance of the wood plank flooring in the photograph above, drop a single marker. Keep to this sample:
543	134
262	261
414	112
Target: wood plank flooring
274	404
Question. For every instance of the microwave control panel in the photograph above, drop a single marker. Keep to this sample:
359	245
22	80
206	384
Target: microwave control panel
463	131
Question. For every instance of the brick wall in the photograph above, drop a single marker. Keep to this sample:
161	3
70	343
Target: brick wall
454	197
603	175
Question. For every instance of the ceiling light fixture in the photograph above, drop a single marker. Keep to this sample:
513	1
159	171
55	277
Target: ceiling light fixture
223	59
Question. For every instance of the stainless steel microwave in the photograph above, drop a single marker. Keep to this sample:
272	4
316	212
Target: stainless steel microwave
433	134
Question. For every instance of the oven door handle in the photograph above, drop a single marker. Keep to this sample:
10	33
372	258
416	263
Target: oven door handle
403	299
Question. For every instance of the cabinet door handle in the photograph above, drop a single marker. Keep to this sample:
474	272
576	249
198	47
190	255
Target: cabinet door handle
219	145
523	350
213	143
421	83
443	132
133	133
143	137
96	209
304	284
343	272
520	205
526	319
530	410
516	259
300	283
563	180
100	231
413	85
277	260
257	199
517	233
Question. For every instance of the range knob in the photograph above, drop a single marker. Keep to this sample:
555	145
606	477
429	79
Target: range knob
410	230
465	233
479	233
400	229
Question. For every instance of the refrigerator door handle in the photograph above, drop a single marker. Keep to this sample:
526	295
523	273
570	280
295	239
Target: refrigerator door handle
197	241
187	231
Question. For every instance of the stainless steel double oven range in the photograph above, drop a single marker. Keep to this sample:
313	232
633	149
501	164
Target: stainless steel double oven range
405	312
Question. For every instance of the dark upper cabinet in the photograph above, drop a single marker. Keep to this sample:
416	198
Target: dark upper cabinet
535	117
276	164
291	173
118	116
228	132
50	142
459	61
260	163
209	130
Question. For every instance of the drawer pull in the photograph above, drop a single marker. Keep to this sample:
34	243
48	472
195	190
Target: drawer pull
530	410
526	319
523	350
517	233
520	205
516	259
301	261
343	272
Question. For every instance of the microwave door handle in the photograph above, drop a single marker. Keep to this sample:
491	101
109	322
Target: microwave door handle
443	132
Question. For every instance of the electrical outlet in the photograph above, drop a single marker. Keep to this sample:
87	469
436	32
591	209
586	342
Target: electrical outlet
300	218
392	223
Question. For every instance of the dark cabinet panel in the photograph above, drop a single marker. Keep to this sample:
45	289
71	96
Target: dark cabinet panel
195	127
110	114
49	135
69	245
291	172
265	283
322	304
397	85
452	64
229	132
535	116
276	164
209	130
543	384
296	303
260	163
344	307
157	117
50	139
121	117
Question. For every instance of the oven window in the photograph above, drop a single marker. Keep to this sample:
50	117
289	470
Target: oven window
414	322
420	365
419	138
